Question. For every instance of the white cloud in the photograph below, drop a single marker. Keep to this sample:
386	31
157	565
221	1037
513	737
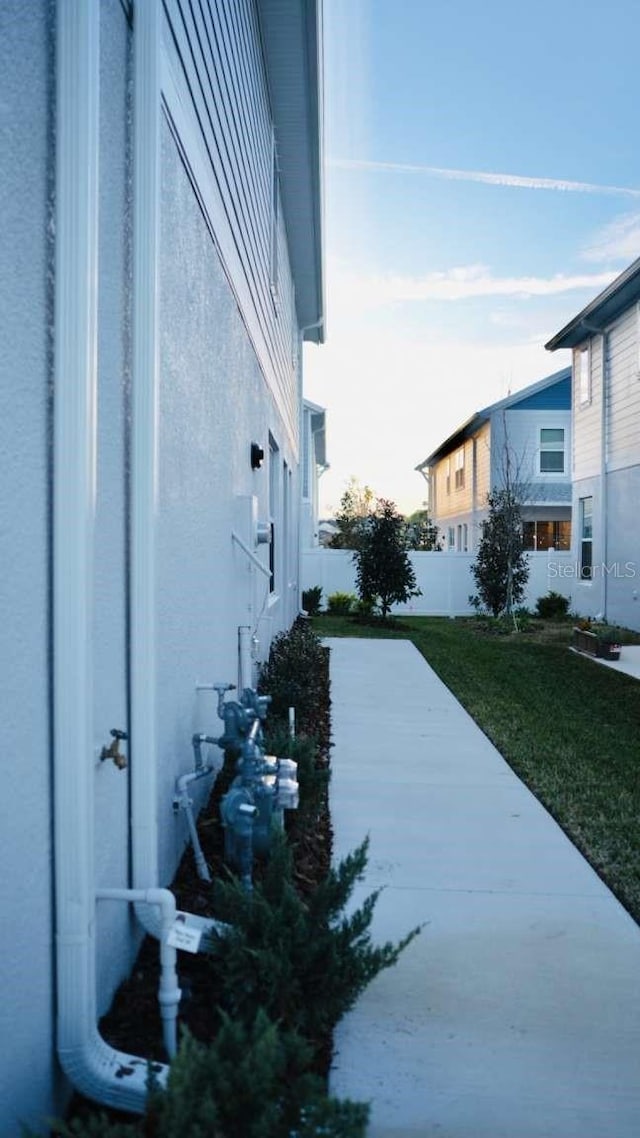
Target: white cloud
351	290
620	240
518	181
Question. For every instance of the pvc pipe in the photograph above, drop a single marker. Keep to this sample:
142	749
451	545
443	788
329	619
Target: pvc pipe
146	178
183	801
245	659
99	1071
264	569
168	993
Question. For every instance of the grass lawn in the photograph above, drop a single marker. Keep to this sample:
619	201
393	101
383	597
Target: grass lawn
568	727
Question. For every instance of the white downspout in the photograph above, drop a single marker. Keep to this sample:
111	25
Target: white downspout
146	167
99	1071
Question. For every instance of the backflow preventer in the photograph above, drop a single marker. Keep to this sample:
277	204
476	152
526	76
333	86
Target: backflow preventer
264	786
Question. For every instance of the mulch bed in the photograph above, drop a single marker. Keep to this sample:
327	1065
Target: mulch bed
133	1022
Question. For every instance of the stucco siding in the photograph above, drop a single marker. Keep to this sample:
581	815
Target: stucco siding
27	1067
623	548
214	401
587	419
624	392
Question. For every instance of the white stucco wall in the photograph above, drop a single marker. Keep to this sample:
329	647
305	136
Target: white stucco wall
27	1065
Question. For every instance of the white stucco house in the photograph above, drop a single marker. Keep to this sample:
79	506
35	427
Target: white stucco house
605	341
529	430
161	240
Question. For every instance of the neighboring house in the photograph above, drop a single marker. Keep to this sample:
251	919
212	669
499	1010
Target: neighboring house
529	431
161	240
313	463
605	341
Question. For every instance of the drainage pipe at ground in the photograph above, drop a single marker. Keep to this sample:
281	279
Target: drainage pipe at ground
102	1073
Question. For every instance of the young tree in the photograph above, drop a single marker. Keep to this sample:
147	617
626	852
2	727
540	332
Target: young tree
356	505
384	573
422	533
501	568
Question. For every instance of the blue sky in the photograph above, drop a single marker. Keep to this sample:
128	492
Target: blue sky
482	185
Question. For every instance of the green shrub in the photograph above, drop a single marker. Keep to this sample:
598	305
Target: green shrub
301	960
294	675
341	604
553	606
253	1080
311	600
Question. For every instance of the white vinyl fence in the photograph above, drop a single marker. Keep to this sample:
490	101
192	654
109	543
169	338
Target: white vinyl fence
445	578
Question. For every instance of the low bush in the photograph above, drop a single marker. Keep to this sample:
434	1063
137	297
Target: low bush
294	674
312	599
553	606
303	961
340	604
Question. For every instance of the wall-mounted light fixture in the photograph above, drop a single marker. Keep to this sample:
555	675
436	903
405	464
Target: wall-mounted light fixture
257	456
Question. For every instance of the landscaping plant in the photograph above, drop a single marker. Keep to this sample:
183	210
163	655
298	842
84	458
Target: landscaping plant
501	568
384	573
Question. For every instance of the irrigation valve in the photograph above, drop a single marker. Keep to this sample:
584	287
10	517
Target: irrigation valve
113	750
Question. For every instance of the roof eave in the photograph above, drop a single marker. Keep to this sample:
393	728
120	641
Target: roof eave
292	40
600	312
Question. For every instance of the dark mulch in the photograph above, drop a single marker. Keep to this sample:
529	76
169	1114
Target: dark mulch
133	1022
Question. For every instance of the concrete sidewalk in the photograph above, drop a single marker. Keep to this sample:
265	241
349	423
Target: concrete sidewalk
516	1013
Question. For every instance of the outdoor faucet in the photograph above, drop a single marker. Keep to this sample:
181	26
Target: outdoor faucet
113	750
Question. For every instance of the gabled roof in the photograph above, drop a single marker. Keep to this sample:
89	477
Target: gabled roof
609	304
292	42
528	395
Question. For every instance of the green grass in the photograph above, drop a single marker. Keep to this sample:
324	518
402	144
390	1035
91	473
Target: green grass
567	726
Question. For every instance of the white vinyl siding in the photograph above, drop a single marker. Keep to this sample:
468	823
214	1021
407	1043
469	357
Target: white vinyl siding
623	427
217	103
587	419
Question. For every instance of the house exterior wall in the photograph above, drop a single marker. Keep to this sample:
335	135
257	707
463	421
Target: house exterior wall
27	1069
587	417
623	412
519	430
229	375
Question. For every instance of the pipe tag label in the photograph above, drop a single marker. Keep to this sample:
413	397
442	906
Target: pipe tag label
184	936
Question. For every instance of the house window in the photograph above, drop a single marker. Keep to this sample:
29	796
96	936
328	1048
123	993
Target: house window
586	539
448	475
451	538
274	495
552	450
465	537
541	535
459	469
584	376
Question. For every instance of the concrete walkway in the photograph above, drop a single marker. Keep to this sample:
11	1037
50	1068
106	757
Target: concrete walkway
516	1013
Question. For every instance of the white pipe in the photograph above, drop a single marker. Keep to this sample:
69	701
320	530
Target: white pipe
182	801
144	788
99	1071
245	659
264	569
168	993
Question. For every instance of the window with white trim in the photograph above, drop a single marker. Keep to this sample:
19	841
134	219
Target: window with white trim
451	538
448	475
459	469
586	539
274	502
584	376
551	450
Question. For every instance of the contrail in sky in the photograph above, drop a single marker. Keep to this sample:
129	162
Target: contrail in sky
518	180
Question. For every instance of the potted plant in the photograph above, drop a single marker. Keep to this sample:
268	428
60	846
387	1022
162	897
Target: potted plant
600	640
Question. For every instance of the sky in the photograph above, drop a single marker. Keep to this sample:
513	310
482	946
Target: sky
482	184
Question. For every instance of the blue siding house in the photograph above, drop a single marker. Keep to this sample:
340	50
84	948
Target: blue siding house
525	438
161	195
